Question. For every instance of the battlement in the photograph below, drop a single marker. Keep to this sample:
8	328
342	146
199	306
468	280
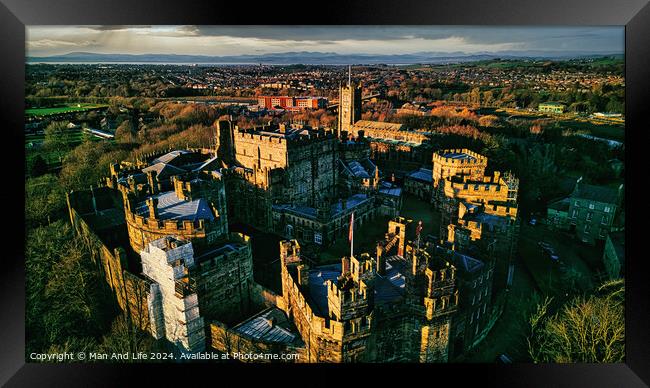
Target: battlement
459	157
282	134
165	226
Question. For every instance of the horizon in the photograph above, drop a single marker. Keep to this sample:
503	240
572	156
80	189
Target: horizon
233	41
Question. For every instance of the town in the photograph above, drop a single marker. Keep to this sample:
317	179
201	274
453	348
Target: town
366	213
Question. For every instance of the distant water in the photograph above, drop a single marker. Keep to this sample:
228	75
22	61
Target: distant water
141	63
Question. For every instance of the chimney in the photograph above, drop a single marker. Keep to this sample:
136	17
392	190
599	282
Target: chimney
381	261
345	266
152	204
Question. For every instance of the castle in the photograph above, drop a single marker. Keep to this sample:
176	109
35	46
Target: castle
160	227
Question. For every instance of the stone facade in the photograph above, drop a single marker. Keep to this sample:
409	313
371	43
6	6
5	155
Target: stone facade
349	107
457	162
592	210
393	307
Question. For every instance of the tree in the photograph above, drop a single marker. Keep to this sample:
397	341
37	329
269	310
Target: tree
38	166
63	303
584	330
44	200
125	132
126	337
58	138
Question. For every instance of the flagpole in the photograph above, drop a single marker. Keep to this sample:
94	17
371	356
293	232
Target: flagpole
352	235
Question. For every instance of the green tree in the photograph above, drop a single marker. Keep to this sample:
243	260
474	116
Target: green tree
63	301
44	200
58	138
38	166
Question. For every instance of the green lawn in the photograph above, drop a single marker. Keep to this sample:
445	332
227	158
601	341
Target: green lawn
62	109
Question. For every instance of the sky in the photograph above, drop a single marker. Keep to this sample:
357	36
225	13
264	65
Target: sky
238	40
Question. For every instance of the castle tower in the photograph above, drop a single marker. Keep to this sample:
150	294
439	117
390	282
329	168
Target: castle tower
225	142
349	105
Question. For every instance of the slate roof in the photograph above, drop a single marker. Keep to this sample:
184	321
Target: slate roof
318	289
163	170
595	193
170	207
259	327
422	174
310	212
168	157
459	155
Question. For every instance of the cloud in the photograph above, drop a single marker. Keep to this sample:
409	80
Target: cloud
53	43
235	40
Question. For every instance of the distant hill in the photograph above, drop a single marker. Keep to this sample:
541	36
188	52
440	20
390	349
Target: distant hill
310	58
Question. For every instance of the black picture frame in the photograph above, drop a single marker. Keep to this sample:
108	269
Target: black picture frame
16	14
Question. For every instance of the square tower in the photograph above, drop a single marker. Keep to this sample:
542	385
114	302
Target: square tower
349	106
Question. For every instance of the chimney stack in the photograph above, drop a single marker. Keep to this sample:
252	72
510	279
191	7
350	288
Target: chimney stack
345	266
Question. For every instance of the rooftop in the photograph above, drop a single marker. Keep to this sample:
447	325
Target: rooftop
310	212
270	325
561	205
380	125
163	169
459	156
422	174
595	193
168	157
170	207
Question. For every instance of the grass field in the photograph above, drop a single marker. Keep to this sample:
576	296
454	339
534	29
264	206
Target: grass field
68	108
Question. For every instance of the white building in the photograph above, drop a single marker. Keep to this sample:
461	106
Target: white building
173	304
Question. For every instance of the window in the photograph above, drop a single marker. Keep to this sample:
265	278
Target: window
587	228
574	214
591	206
576	204
473	300
318	238
604	220
471	318
590	215
484	307
602	233
607	209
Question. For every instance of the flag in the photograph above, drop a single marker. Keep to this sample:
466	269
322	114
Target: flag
351	233
418	229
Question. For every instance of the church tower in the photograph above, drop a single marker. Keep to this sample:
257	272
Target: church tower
349	105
